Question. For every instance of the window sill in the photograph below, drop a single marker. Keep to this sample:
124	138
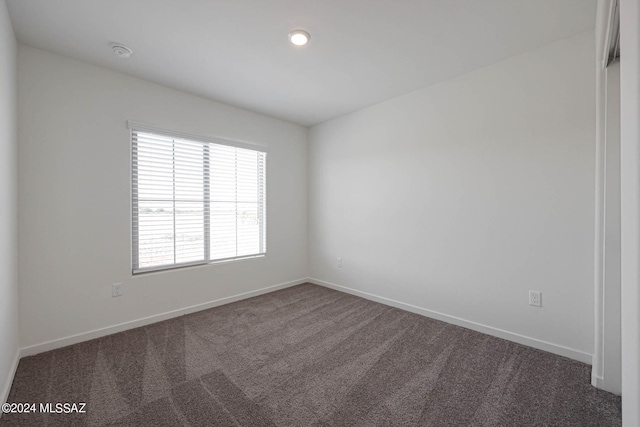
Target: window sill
151	270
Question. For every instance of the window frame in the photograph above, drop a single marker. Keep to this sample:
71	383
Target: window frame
139	127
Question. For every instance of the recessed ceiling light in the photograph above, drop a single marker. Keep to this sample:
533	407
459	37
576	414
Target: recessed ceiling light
299	37
120	50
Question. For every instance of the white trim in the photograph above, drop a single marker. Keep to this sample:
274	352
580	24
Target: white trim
599	225
489	330
630	201
597	381
602	32
101	332
147	127
12	373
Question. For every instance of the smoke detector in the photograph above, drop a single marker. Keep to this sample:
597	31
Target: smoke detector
120	50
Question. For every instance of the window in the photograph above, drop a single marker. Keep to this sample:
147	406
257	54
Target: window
194	201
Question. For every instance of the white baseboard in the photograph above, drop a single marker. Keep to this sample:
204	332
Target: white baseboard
97	333
489	330
9	381
500	333
597	381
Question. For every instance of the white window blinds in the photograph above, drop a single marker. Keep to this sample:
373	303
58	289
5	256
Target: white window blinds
195	202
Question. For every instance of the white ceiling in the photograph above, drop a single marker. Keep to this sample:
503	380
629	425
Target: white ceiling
236	51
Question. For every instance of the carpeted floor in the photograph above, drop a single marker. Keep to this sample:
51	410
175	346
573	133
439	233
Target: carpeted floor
308	356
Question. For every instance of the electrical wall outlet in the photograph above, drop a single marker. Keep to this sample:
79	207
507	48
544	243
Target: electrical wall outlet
535	298
339	262
116	290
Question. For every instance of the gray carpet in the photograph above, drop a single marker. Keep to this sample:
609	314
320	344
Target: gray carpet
309	356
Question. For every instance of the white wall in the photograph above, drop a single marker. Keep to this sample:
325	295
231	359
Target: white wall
74	184
8	205
460	197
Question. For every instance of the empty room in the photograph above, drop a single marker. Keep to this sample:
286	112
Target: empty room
305	213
